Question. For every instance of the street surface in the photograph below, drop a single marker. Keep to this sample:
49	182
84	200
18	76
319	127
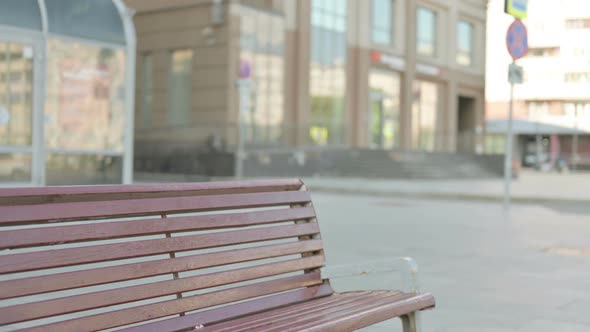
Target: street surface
530	187
489	273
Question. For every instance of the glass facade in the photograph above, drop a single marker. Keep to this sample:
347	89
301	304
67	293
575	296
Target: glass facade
328	71
464	43
16	94
180	87
383	116
90	19
426	32
424	115
262	48
382	23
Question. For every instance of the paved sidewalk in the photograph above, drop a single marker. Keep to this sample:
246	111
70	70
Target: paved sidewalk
489	272
531	187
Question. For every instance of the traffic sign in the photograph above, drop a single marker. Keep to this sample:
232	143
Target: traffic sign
516	8
515	74
517	40
245	69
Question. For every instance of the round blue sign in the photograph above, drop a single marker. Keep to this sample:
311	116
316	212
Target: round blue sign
516	40
245	69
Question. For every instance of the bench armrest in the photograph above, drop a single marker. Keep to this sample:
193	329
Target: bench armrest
407	267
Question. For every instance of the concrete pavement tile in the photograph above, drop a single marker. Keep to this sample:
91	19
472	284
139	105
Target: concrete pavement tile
543	325
470	328
575	312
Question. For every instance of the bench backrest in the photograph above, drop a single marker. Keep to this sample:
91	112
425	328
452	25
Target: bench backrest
99	257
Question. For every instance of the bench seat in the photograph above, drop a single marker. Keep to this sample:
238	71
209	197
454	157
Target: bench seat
338	312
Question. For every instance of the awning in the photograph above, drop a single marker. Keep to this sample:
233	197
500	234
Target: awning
525	127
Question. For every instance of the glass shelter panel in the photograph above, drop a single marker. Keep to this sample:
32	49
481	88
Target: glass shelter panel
16	94
15	167
20	13
85	102
89	19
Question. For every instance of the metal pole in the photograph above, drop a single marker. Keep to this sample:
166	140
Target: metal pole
130	49
508	152
238	168
244	89
575	141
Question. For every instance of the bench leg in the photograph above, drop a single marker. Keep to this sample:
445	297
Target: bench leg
409	322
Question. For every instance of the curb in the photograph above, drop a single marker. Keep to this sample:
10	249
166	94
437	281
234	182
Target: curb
446	196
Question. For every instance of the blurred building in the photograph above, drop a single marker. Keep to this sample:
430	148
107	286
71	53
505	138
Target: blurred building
66	92
387	75
552	106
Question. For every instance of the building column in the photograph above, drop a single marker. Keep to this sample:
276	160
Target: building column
407	91
480	123
297	62
450	127
357	72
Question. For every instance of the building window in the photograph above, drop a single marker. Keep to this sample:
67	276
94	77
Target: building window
426	32
578	112
538	110
494	144
180	87
577	77
328	71
147	90
383	115
579	23
382	22
464	55
579	52
262	45
424	115
543	51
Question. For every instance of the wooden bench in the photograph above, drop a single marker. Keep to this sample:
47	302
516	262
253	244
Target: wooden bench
219	256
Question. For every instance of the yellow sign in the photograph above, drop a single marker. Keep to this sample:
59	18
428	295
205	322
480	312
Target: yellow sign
516	8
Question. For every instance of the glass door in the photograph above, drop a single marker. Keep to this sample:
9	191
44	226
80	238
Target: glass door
376	123
20	148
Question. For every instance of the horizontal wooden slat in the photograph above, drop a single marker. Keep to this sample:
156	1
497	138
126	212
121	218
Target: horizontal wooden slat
247	323
70	304
235	310
101	231
284	323
243	324
98	276
166	308
356	318
24	214
108	252
370	317
36	195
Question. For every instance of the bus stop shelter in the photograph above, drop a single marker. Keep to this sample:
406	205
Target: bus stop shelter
67	75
